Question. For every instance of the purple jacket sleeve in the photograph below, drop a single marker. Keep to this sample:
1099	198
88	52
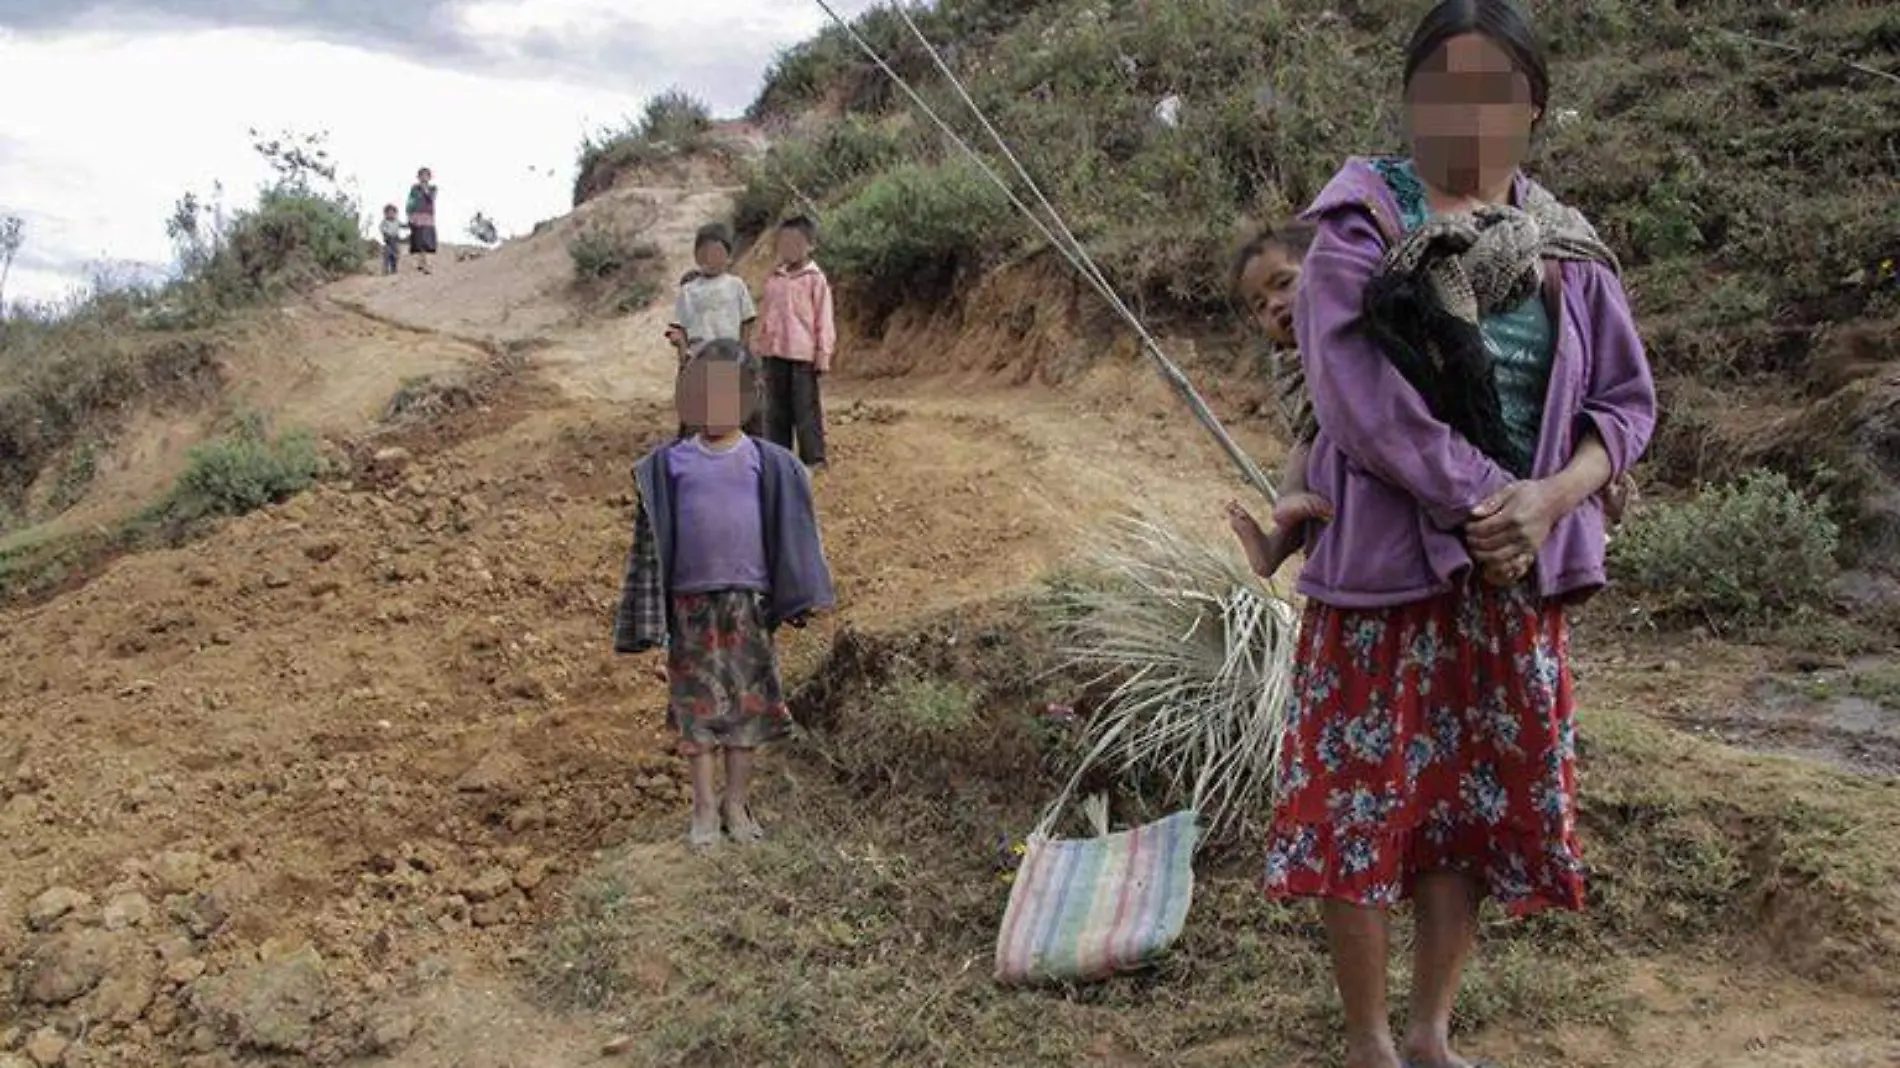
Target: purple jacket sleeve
1620	397
1361	401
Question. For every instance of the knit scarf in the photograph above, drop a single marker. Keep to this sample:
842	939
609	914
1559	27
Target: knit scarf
1427	301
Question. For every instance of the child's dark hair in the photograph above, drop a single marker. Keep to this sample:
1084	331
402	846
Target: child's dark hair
1294	235
1502	22
804	224
728	351
713	234
387	208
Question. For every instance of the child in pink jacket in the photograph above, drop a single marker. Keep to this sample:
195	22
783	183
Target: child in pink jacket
796	339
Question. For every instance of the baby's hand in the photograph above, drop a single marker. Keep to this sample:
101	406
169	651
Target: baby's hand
1618	496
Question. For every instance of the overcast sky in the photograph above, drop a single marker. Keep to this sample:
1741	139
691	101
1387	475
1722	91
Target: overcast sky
113	108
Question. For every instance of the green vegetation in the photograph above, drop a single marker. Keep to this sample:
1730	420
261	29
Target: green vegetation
1746	554
616	267
69	373
1749	188
245	470
861	932
673	124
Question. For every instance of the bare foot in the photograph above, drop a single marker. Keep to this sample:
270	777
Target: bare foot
1430	1052
705	830
1262	554
740	824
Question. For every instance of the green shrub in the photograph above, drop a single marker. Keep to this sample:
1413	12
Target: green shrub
798	175
615	266
245	470
915	233
1743	554
672	124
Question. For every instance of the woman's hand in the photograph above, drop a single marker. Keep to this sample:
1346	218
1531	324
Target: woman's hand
1505	533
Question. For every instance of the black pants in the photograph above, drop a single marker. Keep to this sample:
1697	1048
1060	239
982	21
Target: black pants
793	408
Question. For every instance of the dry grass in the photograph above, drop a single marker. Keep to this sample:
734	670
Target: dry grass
863	932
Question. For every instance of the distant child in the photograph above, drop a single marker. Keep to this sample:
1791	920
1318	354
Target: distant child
422	219
1266	278
725	549
797	339
713	304
392	239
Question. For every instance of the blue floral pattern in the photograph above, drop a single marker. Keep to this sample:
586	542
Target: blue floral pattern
1463	760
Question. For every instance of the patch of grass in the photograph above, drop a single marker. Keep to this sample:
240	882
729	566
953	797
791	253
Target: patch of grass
1750	553
616	267
583	957
243	471
673	124
916	234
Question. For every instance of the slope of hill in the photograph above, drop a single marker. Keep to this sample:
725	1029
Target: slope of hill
356	780
1740	157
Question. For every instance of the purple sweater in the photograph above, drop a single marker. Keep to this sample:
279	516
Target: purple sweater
1403	483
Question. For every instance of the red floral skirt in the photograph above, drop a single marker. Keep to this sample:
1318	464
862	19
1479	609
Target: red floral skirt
1435	737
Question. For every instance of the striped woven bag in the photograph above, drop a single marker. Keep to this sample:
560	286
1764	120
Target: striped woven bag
1084	909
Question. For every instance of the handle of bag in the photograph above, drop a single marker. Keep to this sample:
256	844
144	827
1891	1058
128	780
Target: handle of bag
1097	805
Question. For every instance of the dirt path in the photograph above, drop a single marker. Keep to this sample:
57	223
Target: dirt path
386	724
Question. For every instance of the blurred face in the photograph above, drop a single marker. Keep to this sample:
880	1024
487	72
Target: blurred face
793	247
425	176
389	213
710	399
1268	285
1470	115
712	258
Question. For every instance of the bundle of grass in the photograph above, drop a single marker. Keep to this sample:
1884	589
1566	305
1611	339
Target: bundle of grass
1199	654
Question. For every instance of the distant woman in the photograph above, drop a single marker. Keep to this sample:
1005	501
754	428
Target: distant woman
422	218
1477	381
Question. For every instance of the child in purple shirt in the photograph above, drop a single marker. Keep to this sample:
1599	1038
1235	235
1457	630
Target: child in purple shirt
725	549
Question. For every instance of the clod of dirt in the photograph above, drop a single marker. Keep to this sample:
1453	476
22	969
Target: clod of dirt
125	994
500	771
392	459
489	885
47	1047
390	1034
178	872
126	911
69	965
54	905
271	1006
14	1060
185	971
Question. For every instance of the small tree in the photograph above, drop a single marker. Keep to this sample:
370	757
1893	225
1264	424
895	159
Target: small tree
12	236
302	162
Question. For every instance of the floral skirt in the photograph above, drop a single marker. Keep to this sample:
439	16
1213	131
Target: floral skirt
723	673
1435	737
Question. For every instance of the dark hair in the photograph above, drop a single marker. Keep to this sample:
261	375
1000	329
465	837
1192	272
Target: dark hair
1501	22
713	234
1294	235
728	351
387	208
804	225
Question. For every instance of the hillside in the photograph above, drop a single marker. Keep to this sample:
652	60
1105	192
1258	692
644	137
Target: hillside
1732	153
354	778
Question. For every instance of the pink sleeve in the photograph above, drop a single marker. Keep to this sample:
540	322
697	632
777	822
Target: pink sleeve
826	331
